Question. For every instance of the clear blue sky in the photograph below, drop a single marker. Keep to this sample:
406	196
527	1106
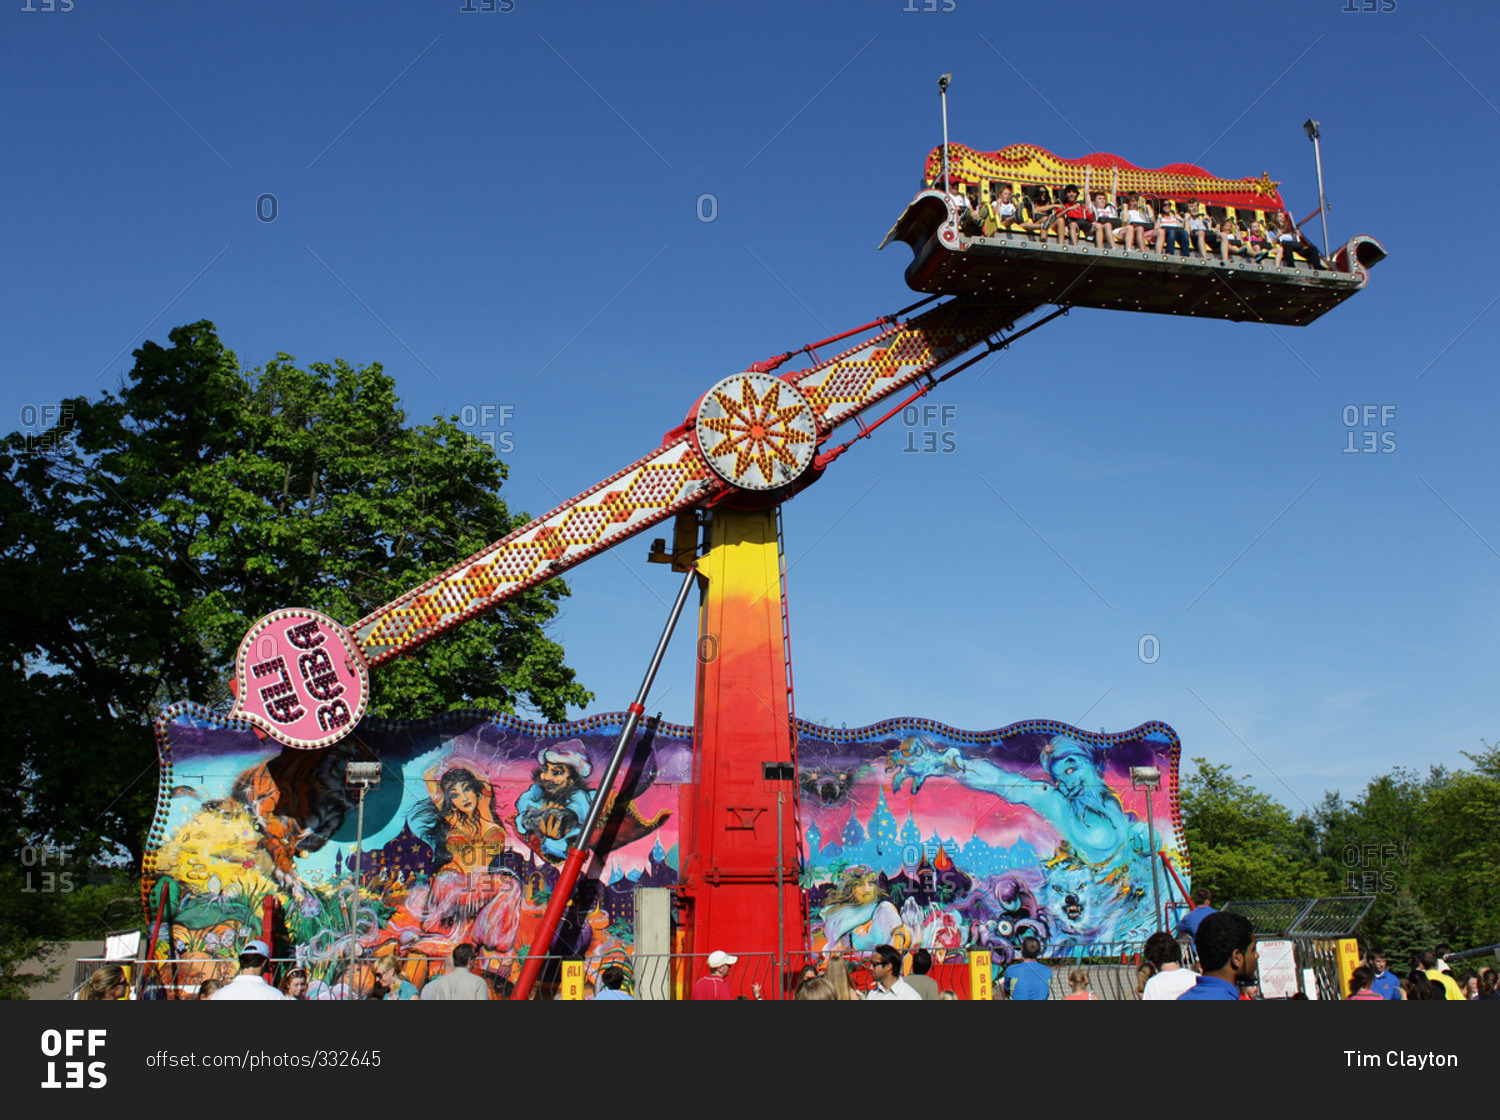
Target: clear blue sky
516	195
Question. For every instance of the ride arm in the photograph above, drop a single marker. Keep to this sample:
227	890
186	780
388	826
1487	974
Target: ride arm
650	490
676	477
302	678
841	389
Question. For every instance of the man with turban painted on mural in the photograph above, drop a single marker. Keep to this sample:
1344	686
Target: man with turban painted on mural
1103	852
550	814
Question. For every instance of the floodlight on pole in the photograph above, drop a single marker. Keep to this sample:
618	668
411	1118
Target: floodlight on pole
359	777
1149	779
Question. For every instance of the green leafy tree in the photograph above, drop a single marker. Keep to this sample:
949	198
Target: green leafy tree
1425	849
152	527
40	910
1455	850
1243	843
1399	927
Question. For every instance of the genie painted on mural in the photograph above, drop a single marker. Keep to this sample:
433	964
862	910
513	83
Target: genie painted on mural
1075	799
549	816
1100	841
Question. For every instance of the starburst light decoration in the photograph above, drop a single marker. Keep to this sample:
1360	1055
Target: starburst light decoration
756	431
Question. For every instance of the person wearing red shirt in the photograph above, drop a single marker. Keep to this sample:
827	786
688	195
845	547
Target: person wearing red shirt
1359	984
1073	217
715	983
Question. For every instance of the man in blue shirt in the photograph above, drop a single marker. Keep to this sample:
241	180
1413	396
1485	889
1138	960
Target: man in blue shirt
611	980
1226	951
1201	909
1030	979
1385	985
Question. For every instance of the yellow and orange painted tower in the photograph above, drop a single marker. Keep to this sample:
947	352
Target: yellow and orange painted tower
739	880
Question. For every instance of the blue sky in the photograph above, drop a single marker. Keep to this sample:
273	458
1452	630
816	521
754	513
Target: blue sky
506	210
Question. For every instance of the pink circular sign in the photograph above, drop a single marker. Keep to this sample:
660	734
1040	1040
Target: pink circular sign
301	678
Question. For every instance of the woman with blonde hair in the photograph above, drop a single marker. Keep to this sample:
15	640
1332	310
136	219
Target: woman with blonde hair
1139	227
391	983
837	975
109	982
817	988
1289	241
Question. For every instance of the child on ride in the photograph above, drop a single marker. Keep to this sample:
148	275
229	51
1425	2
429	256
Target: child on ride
1139	223
1073	216
1171	232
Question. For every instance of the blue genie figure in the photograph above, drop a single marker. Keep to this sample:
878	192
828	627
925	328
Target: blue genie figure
1102	846
549	815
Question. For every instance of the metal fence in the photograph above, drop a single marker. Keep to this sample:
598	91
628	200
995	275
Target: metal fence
1112	971
663	977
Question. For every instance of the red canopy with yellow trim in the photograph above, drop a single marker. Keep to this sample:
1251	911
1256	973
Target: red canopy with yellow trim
1027	163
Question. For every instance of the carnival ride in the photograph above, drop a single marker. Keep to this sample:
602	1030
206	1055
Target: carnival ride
949	262
752	441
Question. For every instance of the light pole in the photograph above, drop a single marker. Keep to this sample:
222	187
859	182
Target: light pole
360	777
1149	779
1311	128
943	83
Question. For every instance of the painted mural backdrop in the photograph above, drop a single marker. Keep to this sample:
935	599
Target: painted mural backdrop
915	834
461	841
921	834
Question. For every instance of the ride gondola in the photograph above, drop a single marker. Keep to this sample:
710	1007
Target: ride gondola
1026	265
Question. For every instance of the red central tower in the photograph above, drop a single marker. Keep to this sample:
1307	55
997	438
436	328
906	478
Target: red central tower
739	888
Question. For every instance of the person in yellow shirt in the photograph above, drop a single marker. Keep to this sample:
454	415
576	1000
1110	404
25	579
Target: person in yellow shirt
1438	976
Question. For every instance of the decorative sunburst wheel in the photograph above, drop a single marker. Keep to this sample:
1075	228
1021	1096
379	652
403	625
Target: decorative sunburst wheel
756	431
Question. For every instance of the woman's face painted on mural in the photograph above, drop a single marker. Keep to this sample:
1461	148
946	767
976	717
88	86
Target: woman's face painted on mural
464	797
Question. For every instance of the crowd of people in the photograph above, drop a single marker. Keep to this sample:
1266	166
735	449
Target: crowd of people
383	979
1224	968
1129	221
379	979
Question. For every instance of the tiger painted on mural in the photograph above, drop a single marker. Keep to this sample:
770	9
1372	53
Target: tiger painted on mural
297	802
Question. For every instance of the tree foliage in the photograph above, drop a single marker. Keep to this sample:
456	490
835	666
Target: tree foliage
41	911
1423	849
1244	844
153	526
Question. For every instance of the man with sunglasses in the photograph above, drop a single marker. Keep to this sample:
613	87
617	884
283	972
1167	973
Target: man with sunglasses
885	966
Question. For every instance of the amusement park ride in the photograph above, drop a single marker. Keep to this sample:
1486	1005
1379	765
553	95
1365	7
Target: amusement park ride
752	441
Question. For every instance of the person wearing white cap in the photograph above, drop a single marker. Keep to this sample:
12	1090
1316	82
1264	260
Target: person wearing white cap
250	983
714	983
